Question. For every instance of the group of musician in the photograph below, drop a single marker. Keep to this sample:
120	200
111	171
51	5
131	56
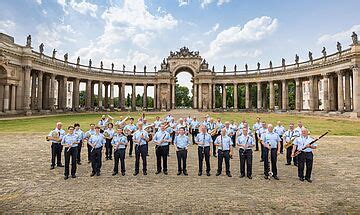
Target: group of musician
212	137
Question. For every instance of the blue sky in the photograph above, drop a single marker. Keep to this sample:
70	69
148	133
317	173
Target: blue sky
142	32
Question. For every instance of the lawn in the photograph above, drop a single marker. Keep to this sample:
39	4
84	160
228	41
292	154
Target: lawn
317	125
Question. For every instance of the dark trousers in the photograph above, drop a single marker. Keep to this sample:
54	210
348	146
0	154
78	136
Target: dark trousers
96	155
273	155
214	146
181	155
288	156
130	140
245	157
233	140
73	152
224	155
256	142
119	155
204	152
194	133
56	149
263	153
161	152
89	151
78	157
305	158
140	150
108	149
281	144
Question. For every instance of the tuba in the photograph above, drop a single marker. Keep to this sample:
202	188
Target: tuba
54	134
213	132
106	134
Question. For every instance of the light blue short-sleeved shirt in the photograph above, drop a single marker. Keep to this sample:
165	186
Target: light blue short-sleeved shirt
102	123
257	126
290	134
162	135
111	132
280	130
182	141
157	123
97	139
195	124
80	134
131	127
302	141
137	136
271	138
60	132
224	141
245	142
262	131
119	139
204	139
70	139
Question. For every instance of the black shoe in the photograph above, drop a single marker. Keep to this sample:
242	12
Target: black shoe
287	164
52	167
60	165
110	158
249	177
295	164
229	175
179	173
79	163
261	160
136	173
165	172
281	152
275	177
73	176
92	174
218	173
185	172
266	177
107	158
89	161
200	173
208	174
114	173
66	177
256	149
168	155
308	180
214	155
157	172
301	179
144	173
123	173
242	176
98	174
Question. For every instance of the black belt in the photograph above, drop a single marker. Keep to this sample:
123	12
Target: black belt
181	149
203	146
223	150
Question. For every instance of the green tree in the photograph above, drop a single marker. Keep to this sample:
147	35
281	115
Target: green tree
128	100
182	98
139	100
82	95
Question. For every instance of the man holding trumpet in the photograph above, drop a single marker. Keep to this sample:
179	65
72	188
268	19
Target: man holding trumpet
270	142
70	142
141	138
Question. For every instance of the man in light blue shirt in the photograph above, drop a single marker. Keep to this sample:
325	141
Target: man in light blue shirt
245	143
157	123
290	136
261	132
129	131
271	142
55	136
181	143
70	143
81	135
204	140
108	135
256	127
96	141
119	142
194	129
88	134
102	123
162	139
141	138
305	144
224	144
280	130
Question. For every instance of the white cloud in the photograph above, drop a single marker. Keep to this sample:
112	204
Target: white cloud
143	39
84	7
183	2
213	29
7	26
254	30
52	36
39	2
340	36
221	2
204	3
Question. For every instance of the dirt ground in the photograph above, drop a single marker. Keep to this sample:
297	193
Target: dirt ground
28	185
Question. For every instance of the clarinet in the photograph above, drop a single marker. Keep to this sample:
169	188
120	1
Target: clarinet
203	148
245	146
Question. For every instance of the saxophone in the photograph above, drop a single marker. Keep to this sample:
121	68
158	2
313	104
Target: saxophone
290	143
214	131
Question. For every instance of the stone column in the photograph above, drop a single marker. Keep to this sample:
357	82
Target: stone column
76	94
272	96
298	96
1	98
155	97
45	95
100	97
285	95
173	96
168	106
326	92
347	92
311	93
27	71
133	97
214	96
40	91
236	106
356	90
33	91
13	98
210	96
316	92
65	91
340	91
88	95
92	92
331	93
247	96
6	97
158	98
195	99
52	92
200	103
106	99
111	96
224	96
259	96
145	97
122	96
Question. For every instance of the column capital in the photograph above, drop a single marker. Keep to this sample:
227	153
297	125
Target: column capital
27	67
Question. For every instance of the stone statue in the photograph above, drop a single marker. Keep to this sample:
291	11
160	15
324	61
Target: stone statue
90	62
134	68
66	57
155	68
310	56
28	41
101	65
54	53
204	65
338	46
258	65
164	62
112	66
41	48
145	69
78	60
224	69
235	68
297	59
123	68
246	67
354	38
270	65
283	62
213	68
324	51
